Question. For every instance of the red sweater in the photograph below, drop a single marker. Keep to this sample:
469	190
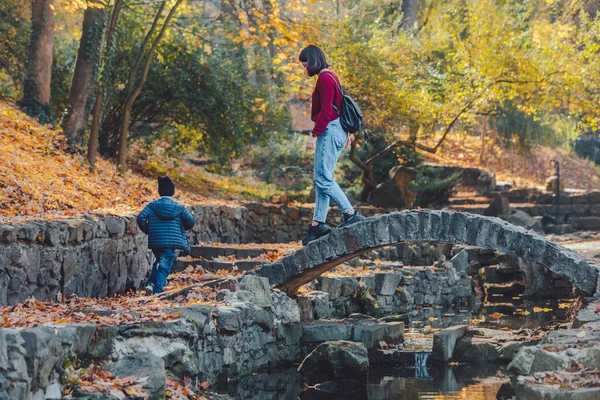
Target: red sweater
326	94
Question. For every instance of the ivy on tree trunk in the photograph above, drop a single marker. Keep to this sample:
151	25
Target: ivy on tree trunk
36	91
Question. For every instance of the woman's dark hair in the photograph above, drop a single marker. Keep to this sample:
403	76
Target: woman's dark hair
315	59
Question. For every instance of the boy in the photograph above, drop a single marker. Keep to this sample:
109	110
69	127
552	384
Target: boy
165	222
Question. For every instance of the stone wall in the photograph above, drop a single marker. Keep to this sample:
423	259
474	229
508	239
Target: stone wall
236	337
397	291
102	255
95	257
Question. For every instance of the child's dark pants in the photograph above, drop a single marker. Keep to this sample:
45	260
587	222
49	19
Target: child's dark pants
161	268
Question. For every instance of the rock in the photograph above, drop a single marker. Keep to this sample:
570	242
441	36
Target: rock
260	289
587	315
585	223
561	229
531	359
445	340
486	182
534	391
388	195
54	391
142	365
500	206
330	285
387	283
361	317
324	331
452	275
470	350
307	312
321	306
285	309
460	262
521	218
336	360
509	350
115	226
229	319
371	335
224	295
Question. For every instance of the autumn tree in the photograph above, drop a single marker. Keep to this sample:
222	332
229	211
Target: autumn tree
36	93
86	71
137	79
418	87
103	80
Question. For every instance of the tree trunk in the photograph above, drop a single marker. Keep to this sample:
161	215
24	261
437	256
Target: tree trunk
410	9
134	91
484	129
86	69
36	91
97	111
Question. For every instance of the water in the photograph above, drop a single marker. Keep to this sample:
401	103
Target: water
480	382
417	378
495	313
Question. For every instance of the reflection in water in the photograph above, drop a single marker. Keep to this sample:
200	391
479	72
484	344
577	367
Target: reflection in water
417	380
478	382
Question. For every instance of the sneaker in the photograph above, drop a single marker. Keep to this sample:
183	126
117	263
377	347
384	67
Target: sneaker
349	219
149	289
315	232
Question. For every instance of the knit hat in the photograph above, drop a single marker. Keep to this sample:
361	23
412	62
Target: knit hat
166	187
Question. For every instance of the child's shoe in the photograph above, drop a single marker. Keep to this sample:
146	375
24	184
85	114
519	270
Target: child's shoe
149	289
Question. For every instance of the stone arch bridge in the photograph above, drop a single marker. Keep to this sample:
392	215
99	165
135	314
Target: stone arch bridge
341	245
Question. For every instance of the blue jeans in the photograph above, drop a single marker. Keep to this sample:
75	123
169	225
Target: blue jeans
329	147
161	268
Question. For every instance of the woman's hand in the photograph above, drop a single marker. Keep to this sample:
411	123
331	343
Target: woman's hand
349	141
311	143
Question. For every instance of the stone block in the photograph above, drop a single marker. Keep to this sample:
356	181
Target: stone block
371	335
285	309
381	230
323	331
229	319
387	283
330	285
457	231
394	332
143	365
321	304
460	262
115	226
445	340
336	360
260	289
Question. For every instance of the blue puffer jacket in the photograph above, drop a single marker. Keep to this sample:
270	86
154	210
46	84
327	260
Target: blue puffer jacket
165	222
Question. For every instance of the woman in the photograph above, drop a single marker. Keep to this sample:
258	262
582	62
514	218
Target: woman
329	139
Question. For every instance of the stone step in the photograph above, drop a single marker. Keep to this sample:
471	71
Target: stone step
516	288
503	308
209	252
212	265
470	201
494	274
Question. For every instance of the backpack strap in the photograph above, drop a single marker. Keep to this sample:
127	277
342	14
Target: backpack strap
339	88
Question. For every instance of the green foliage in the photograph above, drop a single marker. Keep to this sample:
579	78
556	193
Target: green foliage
14	37
195	99
63	64
433	190
588	147
284	161
525	130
